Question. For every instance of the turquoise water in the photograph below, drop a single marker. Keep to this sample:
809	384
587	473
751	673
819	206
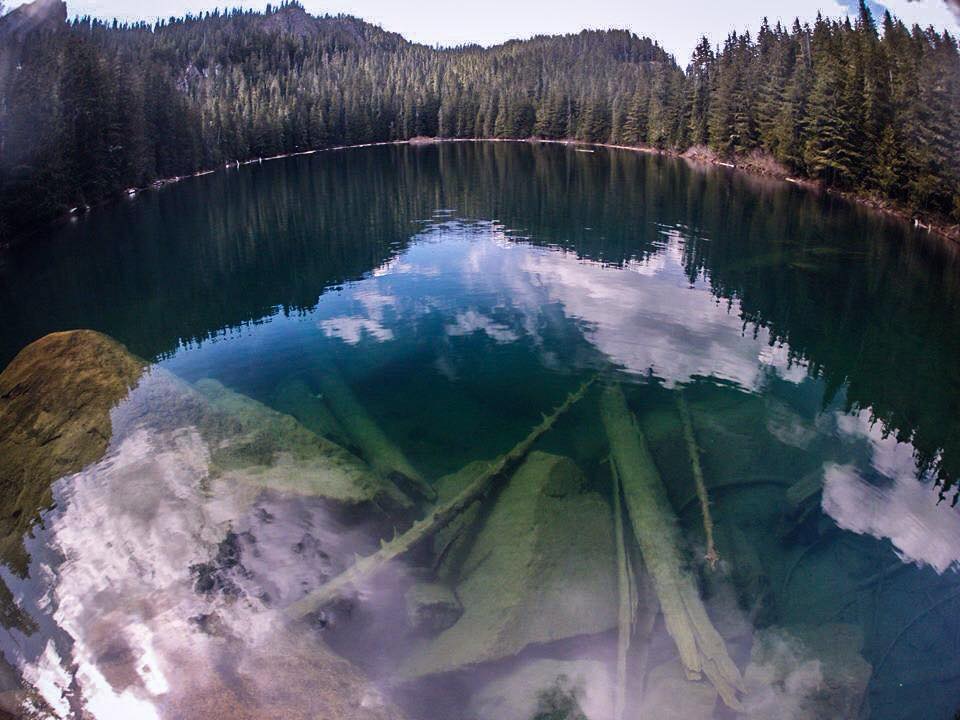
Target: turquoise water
458	292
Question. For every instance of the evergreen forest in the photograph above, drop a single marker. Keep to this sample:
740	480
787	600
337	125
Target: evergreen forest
90	108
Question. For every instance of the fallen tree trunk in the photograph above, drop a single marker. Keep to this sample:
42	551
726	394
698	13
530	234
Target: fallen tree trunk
440	517
627	588
694	451
702	649
380	451
294	397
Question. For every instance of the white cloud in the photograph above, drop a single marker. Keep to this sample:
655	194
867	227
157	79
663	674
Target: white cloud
643	317
129	528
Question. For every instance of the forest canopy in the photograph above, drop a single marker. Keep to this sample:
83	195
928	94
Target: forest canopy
89	108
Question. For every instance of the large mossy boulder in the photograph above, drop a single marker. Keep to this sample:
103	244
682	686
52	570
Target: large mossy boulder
55	402
733	432
541	569
272	450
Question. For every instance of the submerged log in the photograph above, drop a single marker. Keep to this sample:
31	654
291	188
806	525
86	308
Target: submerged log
380	451
440	517
294	397
702	649
627	589
694	451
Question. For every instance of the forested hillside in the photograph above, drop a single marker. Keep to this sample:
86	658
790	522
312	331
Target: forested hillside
89	108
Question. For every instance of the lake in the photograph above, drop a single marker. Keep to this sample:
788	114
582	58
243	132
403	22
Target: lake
339	341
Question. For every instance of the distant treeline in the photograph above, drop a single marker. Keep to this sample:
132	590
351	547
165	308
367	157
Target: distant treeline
89	108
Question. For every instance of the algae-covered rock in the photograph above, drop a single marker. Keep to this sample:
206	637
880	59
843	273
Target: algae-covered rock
55	402
272	450
189	579
432	607
60	406
541	569
806	672
452	543
554	689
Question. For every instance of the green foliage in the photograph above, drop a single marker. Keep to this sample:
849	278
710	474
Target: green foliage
88	109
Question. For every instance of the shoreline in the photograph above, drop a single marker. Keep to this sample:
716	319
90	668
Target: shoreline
697	156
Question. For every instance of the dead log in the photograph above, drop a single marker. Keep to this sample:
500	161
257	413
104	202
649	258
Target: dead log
627	587
694	451
702	650
379	450
440	517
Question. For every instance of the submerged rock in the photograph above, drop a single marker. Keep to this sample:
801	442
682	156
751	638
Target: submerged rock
185	621
806	673
541	569
55	401
156	526
736	445
670	695
251	444
295	677
432	607
271	450
452	543
547	690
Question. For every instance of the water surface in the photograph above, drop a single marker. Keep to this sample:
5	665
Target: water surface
459	291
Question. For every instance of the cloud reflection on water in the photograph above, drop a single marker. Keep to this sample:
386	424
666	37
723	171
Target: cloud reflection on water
645	317
885	499
144	641
131	526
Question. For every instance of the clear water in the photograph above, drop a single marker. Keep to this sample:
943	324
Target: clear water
460	291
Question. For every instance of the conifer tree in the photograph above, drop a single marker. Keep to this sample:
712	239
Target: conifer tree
89	108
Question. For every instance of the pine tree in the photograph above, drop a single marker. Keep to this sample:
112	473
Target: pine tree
699	77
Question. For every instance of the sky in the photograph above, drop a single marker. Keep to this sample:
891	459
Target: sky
676	25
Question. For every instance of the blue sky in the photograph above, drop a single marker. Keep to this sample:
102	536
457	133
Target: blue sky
675	24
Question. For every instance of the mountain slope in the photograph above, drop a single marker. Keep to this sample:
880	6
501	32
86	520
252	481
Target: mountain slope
88	108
